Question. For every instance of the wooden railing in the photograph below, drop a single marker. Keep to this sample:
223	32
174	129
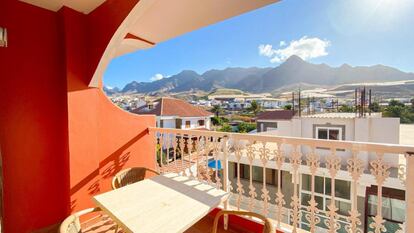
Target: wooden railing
197	153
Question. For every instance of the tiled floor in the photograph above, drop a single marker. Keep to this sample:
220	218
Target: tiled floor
205	225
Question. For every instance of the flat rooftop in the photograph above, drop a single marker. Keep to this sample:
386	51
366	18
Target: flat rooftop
347	115
407	134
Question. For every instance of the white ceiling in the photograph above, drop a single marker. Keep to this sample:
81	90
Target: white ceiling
166	19
84	6
154	21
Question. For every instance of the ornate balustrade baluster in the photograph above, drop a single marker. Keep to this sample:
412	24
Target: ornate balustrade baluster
208	148
198	144
167	156
280	201
217	151
157	146
313	164
240	190
252	190
333	164
175	143
295	161
264	157
190	154
182	143
380	171
355	169
161	149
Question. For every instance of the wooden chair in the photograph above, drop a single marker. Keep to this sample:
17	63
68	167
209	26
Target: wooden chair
130	176
72	223
267	228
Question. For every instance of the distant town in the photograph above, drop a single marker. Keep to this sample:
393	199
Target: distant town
232	107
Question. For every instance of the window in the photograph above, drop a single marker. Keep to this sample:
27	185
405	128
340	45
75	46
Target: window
323	196
257	172
187	124
393	207
200	122
329	133
161	123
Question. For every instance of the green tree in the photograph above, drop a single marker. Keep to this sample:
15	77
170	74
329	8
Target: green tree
397	109
346	108
395	103
219	120
245	127
287	107
412	104
226	128
217	110
375	107
255	107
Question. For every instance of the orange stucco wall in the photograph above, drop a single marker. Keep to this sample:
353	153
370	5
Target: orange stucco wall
60	141
103	139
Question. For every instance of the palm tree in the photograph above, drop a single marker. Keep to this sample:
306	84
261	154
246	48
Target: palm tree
255	107
217	110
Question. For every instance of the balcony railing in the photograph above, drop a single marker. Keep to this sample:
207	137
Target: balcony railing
305	163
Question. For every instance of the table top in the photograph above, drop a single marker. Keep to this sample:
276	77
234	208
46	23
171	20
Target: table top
164	203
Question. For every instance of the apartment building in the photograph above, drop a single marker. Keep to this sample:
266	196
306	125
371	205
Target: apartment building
331	127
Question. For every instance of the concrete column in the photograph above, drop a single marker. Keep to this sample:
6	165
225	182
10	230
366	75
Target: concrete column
409	193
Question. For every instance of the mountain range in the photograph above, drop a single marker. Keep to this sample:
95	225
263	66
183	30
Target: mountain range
258	80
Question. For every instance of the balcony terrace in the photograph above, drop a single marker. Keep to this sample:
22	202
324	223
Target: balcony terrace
360	164
62	141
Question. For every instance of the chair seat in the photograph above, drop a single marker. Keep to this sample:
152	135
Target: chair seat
102	225
205	225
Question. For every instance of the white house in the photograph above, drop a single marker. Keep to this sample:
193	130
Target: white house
328	126
178	114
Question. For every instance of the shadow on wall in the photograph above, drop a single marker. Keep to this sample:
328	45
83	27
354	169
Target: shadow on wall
111	165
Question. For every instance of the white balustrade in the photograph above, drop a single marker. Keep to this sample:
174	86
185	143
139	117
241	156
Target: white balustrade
206	155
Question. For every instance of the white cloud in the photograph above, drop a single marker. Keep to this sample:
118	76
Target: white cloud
306	48
157	77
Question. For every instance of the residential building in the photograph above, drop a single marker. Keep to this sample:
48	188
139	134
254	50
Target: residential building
177	114
331	127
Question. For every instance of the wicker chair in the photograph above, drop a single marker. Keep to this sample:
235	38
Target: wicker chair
268	226
130	176
72	223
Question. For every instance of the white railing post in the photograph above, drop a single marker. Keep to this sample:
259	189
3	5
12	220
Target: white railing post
226	187
409	193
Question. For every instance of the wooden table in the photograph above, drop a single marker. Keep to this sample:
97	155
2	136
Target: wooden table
166	203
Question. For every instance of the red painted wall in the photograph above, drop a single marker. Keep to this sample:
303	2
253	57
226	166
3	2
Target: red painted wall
61	142
33	119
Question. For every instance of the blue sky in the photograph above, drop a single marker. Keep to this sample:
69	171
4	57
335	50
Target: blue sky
356	32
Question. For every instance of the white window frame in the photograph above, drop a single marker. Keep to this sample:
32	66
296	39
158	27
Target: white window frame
324	197
329	128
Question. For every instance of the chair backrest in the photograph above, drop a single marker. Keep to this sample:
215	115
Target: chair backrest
130	176
267	228
72	224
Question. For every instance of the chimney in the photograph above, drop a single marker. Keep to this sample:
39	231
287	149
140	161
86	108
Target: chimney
300	109
356	102
369	102
337	104
313	103
364	102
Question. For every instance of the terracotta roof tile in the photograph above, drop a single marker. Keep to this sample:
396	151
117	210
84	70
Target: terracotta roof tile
276	115
174	107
